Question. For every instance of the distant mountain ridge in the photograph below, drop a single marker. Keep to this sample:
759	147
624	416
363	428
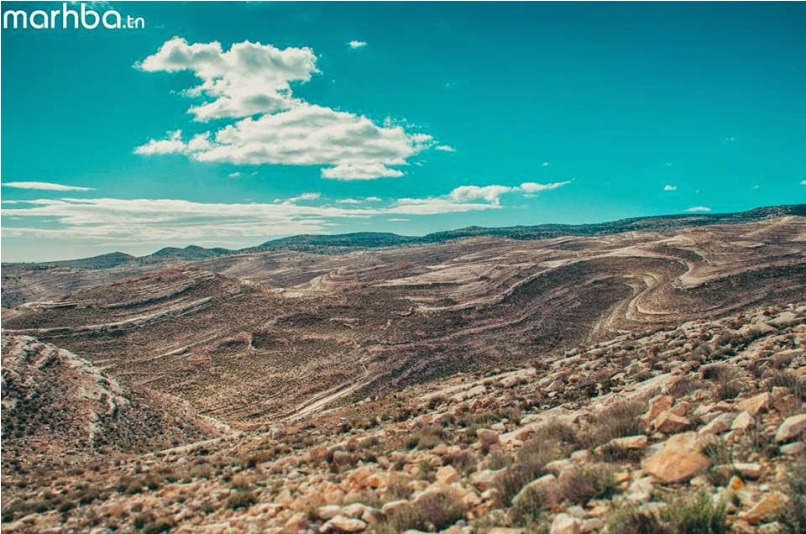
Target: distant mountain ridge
339	243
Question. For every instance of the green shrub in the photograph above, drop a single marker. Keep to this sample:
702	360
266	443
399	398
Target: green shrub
437	511
794	515
528	510
697	514
159	527
582	485
617	421
630	520
240	499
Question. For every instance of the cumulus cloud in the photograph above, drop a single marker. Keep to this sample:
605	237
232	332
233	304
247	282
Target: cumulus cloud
445	148
490	193
45	186
248	78
670	187
699	209
250	84
356	44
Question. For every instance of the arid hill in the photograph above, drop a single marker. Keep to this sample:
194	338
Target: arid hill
250	390
254	337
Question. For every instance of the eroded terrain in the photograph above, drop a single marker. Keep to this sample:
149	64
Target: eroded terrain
463	386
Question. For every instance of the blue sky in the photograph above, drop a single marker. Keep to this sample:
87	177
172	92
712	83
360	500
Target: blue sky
228	125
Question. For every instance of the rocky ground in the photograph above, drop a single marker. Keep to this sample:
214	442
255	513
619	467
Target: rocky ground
693	428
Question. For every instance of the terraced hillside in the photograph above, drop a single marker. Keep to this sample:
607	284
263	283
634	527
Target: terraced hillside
698	428
254	338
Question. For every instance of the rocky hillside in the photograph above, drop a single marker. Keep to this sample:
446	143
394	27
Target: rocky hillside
59	409
316	330
697	428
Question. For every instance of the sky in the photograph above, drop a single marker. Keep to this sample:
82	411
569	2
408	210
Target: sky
229	124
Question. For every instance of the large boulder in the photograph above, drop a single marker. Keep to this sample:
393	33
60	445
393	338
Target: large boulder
673	465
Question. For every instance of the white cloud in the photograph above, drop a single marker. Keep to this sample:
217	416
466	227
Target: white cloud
356	44
248	78
534	187
670	187
490	193
303	196
445	148
360	171
545	164
803	182
397	219
701	209
137	221
251	82
236	174
46	186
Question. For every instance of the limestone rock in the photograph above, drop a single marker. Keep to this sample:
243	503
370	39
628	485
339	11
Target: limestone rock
343	524
487	437
447	475
743	422
675	465
658	404
791	428
755	405
670	423
766	508
718	425
630	442
483	480
565	524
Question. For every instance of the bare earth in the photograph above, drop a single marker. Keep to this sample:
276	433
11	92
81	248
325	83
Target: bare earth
156	396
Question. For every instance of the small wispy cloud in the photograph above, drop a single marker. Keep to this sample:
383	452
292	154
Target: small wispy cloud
803	182
356	44
46	186
545	164
445	148
303	196
670	187
235	174
698	209
397	220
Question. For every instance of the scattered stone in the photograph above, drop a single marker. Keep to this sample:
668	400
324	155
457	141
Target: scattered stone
483	480
742	422
755	405
630	442
343	524
675	465
718	425
658	404
791	428
565	524
328	512
793	449
670	423
487	437
447	475
640	490
765	509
